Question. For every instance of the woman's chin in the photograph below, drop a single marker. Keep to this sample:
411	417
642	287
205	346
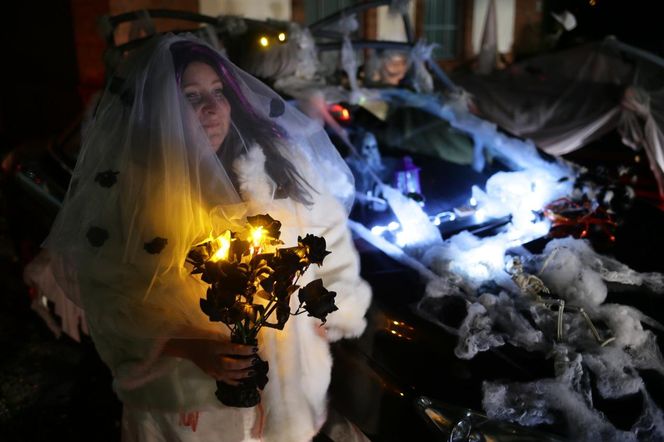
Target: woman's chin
215	143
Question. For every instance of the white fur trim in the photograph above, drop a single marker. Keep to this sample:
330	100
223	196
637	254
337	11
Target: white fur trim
255	184
349	322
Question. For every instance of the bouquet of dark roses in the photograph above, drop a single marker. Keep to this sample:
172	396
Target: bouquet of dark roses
251	284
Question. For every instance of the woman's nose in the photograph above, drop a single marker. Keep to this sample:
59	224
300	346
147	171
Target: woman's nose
210	104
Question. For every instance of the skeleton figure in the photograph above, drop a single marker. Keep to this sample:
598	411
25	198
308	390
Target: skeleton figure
368	163
532	286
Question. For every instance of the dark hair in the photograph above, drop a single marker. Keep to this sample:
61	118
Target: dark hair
254	127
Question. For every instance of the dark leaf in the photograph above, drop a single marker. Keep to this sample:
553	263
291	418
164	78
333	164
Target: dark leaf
317	300
268	283
215	315
238	248
155	246
280	290
240	311
261	266
286	263
283	313
235	313
198	255
221	298
97	236
264	294
314	248
107	178
211	272
260	378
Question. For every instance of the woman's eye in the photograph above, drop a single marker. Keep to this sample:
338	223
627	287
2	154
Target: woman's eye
218	93
193	97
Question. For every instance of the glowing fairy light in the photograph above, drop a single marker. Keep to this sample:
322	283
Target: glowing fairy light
257	235
392	226
257	238
402	238
378	230
224	245
263	41
442	217
282	37
480	215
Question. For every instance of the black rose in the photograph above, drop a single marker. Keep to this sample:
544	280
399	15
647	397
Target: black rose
107	178
231	276
269	224
240	311
277	108
155	246
286	263
97	236
314	248
217	303
317	300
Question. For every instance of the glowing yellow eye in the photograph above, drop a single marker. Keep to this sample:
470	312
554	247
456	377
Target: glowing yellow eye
281	36
264	42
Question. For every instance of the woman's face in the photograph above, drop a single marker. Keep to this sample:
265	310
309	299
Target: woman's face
205	91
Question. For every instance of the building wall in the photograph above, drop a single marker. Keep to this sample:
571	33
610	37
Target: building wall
162	25
258	9
505	13
89	44
528	27
390	27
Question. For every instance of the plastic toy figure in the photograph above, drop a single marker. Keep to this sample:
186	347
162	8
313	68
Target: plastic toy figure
534	287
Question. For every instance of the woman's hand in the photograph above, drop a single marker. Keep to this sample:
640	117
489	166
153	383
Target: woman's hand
222	360
320	331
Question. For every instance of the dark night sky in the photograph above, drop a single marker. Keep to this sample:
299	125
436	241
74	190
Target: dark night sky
39	77
637	22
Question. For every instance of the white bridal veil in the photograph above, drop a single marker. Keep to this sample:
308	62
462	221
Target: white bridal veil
147	186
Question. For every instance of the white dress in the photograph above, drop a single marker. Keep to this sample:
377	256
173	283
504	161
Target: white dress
170	399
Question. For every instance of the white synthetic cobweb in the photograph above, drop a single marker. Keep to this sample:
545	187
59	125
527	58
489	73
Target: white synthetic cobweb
498	314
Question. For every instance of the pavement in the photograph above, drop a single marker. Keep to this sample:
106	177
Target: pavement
50	388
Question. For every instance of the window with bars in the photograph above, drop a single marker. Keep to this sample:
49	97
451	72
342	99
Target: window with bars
314	10
441	25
